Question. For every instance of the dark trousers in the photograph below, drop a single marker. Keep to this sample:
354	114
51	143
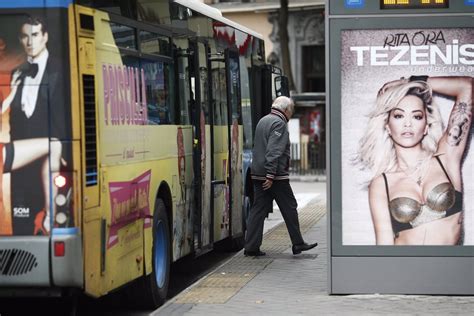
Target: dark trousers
282	193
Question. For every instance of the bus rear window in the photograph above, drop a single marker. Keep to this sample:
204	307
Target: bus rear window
152	43
124	36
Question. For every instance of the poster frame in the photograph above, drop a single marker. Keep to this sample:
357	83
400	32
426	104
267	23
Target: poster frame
335	117
383	269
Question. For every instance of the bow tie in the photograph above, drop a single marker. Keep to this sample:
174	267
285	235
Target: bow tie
29	69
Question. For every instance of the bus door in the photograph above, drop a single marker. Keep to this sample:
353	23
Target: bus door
201	146
220	186
235	135
185	208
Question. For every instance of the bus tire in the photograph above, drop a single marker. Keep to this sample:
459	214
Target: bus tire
155	285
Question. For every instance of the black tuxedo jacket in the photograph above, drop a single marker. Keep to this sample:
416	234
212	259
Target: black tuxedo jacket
51	117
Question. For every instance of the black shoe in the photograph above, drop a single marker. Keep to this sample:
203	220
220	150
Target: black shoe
257	253
302	247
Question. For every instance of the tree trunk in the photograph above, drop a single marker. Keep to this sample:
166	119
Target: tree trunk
283	34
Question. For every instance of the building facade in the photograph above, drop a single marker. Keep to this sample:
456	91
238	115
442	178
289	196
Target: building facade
307	54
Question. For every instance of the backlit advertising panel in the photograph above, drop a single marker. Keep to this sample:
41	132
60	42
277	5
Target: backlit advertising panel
407	152
35	124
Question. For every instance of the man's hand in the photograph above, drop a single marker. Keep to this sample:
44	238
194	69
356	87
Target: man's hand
267	184
15	82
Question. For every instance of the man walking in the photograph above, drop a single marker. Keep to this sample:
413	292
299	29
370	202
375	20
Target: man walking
270	164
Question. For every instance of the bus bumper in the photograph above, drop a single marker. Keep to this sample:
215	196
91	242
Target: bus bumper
31	261
67	269
24	261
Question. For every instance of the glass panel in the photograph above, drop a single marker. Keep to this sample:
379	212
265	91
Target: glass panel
125	8
158	85
245	64
124	36
154	12
183	81
152	43
219	93
203	80
234	87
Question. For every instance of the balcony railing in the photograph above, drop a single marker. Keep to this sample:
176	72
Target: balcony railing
308	158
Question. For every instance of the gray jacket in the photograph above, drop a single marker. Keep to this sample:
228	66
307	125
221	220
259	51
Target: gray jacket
271	150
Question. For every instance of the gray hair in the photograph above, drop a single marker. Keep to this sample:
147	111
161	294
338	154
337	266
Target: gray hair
282	103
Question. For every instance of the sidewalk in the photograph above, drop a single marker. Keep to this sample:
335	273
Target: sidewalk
283	284
308	178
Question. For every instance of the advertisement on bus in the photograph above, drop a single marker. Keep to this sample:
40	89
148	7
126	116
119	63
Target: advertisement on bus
407	152
36	119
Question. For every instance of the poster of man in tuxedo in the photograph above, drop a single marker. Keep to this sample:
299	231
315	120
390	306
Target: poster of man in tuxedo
36	119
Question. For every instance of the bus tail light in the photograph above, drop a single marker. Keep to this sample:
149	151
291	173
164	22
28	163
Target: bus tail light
59	249
61	218
60	181
63	200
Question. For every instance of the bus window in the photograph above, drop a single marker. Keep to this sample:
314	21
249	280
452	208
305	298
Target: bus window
234	70
219	94
125	8
183	86
152	43
245	64
204	92
203	80
159	103
124	36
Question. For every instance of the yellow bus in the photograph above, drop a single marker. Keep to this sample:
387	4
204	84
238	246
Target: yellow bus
125	136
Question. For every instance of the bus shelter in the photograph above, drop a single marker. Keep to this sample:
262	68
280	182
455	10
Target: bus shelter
382	239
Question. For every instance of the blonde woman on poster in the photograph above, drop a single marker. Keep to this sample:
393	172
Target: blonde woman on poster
416	194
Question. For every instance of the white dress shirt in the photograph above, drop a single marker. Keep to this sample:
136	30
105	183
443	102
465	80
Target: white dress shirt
31	85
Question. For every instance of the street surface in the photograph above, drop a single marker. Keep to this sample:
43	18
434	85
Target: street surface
304	193
183	274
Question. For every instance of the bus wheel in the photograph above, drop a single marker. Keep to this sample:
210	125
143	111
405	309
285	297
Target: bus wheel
155	285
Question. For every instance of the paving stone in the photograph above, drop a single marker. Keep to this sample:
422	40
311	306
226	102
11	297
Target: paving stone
283	284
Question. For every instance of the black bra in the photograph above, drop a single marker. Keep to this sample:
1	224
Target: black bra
442	201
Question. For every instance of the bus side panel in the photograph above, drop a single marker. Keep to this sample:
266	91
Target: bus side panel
221	191
137	155
182	227
237	182
124	188
206	201
92	252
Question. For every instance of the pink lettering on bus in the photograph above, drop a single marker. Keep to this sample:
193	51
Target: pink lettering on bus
105	76
124	95
144	114
136	101
131	75
127	95
129	201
